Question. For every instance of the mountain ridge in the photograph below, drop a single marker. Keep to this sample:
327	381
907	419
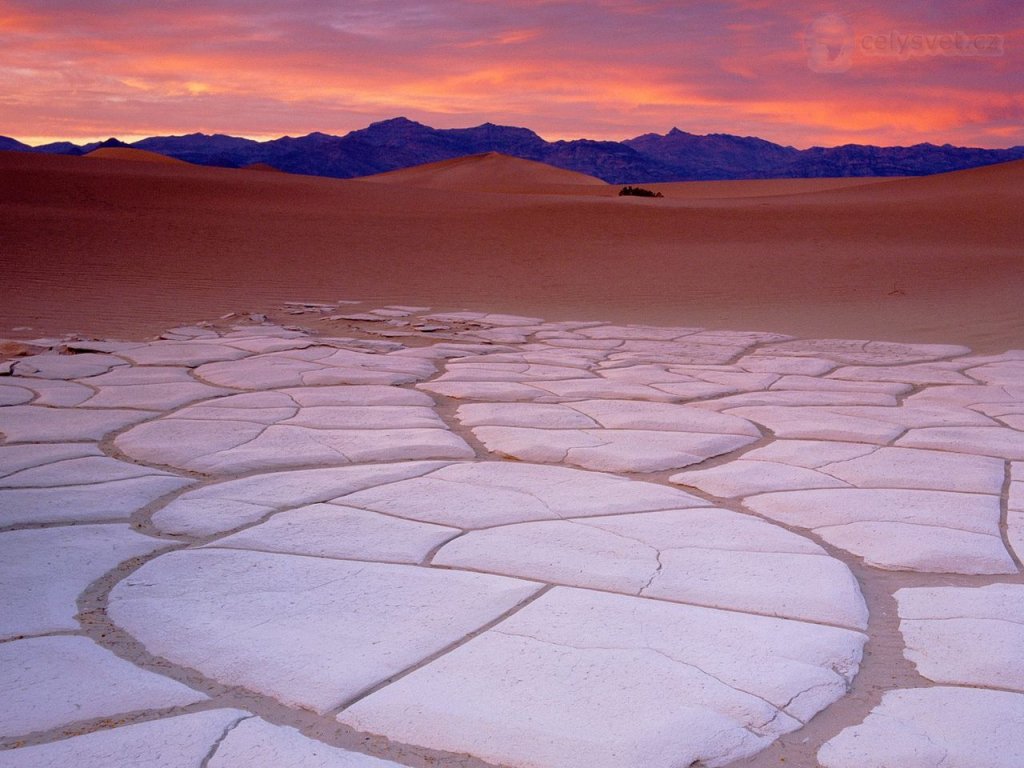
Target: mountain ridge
399	142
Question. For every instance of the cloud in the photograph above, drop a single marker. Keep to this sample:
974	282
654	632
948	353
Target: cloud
566	68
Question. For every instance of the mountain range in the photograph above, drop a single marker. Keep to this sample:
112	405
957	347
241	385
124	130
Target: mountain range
675	156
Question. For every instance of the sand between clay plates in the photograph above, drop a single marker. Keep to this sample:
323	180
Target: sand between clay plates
466	539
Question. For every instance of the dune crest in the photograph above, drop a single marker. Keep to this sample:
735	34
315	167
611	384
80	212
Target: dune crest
489	172
134	155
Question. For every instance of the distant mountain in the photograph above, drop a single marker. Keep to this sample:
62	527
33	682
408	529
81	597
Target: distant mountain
7	144
218	149
60	148
108	144
918	160
715	156
675	156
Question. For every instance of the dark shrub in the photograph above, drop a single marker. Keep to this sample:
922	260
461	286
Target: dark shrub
639	192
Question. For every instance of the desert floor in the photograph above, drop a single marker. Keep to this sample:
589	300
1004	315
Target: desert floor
697	511
114	247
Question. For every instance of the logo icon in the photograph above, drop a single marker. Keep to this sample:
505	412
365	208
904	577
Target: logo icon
829	44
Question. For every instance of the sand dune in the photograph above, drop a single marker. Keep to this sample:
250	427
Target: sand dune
112	247
755	187
494	172
136	155
261	167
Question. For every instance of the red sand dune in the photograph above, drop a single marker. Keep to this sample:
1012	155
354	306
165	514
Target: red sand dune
137	155
494	172
755	187
261	167
124	248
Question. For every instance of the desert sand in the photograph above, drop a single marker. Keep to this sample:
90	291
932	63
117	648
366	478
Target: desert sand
117	247
319	527
137	155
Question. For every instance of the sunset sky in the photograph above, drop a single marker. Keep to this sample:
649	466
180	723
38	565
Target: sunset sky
802	73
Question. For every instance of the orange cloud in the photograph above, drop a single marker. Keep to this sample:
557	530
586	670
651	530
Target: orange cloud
566	68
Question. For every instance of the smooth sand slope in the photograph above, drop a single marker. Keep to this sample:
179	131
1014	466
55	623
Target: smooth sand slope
118	247
138	155
495	172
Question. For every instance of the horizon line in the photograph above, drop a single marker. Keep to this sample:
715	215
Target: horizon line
38	141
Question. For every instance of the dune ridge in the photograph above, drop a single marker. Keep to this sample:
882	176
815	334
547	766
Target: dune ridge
491	172
135	155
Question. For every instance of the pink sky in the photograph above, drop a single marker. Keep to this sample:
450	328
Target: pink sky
802	73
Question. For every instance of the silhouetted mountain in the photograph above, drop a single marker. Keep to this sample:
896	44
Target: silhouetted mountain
612	161
920	159
517	142
393	144
676	156
109	143
7	144
218	149
59	148
320	154
715	156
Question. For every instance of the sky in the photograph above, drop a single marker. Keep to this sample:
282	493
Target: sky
803	73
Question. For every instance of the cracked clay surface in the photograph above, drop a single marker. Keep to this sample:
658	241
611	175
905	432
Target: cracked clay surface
470	540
